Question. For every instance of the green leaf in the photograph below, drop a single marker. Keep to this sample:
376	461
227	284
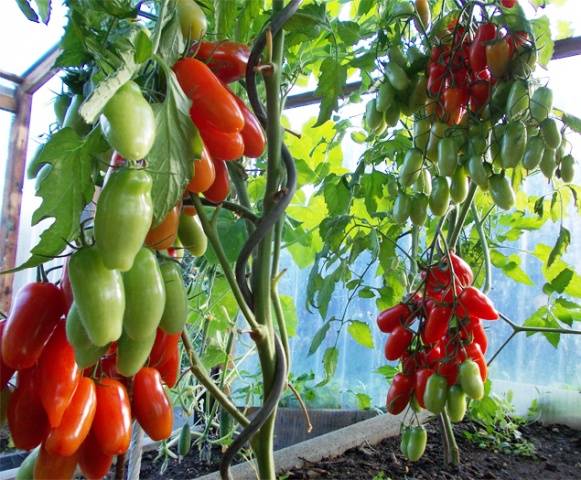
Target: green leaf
363	401
177	142
319	337
232	233
361	333
387	371
560	247
573	122
290	314
366	293
542	318
560	282
348	32
364	7
510	266
330	360
331	82
143	47
43	7
26	9
213	356
172	43
337	195
566	303
543	41
65	191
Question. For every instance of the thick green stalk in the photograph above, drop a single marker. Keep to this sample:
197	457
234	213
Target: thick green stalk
485	249
454	451
263	442
462	216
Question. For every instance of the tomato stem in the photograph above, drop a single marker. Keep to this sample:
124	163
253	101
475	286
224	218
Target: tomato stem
462	216
485	250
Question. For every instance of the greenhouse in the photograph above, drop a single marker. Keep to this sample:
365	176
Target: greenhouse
290	239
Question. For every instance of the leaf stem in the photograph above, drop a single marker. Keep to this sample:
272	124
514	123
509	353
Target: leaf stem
485	250
459	224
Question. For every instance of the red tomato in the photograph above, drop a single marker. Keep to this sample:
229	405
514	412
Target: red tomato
58	375
479	335
437	324
409	363
36	310
65	286
436	79
67	438
49	466
433	356
27	419
209	97
449	371
220	189
252	133
204	173
438	278
479	95
455	102
508	3
163	236
399	393
164	344
151	405
393	317
227	60
472	302
516	40
477	55
397	343
422	377
112	422
6	372
93	462
170	367
220	145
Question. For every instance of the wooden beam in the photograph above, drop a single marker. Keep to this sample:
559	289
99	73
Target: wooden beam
7	99
12	195
568	47
41	71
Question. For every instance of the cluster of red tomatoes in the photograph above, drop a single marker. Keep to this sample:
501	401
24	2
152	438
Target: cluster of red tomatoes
75	416
227	126
443	359
461	73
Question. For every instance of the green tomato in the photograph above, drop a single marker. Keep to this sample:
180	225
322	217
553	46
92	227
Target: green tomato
470	380
396	55
385	97
478	172
533	153
419	209
418	60
440	196
391	115
424	182
175	311
144	296
416	445
501	191
26	469
459	185
421	133
415	405
541	103
411	167
524	62
123	217
185	441
132	354
436	393
447	156
500	96
549	162
73	119
477	145
405	438
373	118
514	143
397	76
518	99
437	132
551	133
193	22
417	95
86	353
496	135
568	168
128	123
192	235
456	403
99	296
401	208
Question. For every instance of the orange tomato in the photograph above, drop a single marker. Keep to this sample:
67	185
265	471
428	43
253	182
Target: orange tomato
49	466
163	236
204	174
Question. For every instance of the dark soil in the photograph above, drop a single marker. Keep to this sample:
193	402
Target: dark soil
557	455
194	465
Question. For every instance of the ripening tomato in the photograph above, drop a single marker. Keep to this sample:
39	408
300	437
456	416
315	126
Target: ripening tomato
455	102
35	312
92	461
67	438
252	133
151	405
204	173
6	372
49	466
475	353
393	317
220	189
169	369
58	375
470	379
398	342
193	22
112	422
498	57
477	55
163	346
226	59
209	97
422	377
163	236
27	420
399	393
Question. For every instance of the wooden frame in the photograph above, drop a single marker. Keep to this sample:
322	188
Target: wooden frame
19	101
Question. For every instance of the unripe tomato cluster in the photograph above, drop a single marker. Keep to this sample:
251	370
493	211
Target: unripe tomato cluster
74	400
440	342
478	116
